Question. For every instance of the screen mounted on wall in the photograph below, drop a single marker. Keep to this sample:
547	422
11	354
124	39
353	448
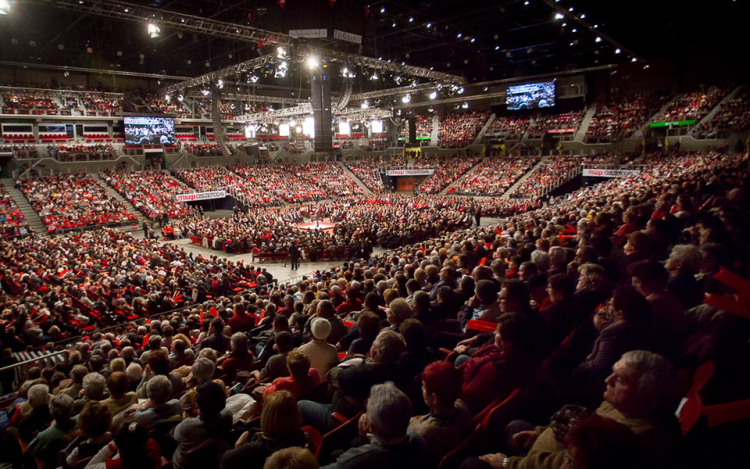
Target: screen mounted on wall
530	96
149	131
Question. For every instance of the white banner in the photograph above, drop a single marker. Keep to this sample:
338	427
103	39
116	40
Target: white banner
349	37
410	172
609	173
201	196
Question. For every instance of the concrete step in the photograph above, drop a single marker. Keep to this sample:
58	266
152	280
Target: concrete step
458	182
354	178
32	218
486	126
118	196
587	118
512	188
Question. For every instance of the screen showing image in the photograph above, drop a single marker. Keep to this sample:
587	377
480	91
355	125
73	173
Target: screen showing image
149	131
530	96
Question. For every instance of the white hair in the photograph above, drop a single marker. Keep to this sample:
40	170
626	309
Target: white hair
94	385
388	411
689	255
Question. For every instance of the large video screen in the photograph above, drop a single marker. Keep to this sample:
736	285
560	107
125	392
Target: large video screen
530	96
149	131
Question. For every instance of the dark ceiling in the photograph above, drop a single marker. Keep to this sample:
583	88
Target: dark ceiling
479	39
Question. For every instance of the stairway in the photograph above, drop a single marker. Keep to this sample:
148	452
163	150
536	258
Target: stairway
116	195
480	135
434	136
35	223
464	175
587	118
512	188
354	178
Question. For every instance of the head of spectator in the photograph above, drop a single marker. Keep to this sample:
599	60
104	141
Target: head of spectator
117	384
398	311
211	400
203	370
95	419
117	364
514	297
441	386
684	259
320	328
239	344
134	372
291	458
280	420
284	342
415	335
158	390
368	324
643	385
387	348
131	442
388	412
591	276
629	306
94	386
560	287
78	373
38	395
648	277
298	365
326	309
60	407
158	361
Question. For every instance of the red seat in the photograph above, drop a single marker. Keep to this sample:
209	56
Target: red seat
338	438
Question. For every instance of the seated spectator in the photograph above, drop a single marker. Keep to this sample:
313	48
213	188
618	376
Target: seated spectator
291	458
131	449
280	427
49	442
385	425
240	358
322	355
119	398
94	390
301	377
34	415
158	407
276	365
217	340
449	420
213	421
352	381
94	422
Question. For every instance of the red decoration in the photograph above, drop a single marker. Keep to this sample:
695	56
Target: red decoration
332	3
281	3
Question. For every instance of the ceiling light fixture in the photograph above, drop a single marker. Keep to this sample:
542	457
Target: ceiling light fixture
153	30
406	99
312	62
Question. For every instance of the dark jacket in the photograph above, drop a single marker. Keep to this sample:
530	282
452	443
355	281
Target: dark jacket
407	454
353	385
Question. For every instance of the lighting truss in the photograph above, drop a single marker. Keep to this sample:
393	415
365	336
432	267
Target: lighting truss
251	98
188	23
457	99
271	116
394	91
231	71
362	115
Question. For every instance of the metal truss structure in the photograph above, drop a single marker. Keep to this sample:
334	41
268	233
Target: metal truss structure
213	77
250	98
351	114
394	91
163	18
453	100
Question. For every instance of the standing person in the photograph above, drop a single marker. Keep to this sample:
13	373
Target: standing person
294	253
477	215
145	229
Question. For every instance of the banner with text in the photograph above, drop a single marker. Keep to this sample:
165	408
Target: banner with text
201	196
609	173
410	172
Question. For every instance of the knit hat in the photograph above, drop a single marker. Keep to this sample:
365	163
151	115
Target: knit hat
320	328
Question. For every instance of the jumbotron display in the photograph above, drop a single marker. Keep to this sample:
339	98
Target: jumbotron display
530	96
149	131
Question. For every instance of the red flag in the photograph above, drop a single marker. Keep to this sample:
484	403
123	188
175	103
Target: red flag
281	3
332	3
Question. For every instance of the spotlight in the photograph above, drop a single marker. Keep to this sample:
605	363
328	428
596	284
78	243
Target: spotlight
206	92
281	70
220	83
433	95
312	62
374	76
440	86
617	51
254	78
559	16
411	20
634	59
598	39
280	52
526	3
646	67
465	105
583	15
459	35
166	97
429	25
406	99
4	7
461	90
429	109
394	24
486	89
397	79
153	30
66	74
365	105
180	98
382	10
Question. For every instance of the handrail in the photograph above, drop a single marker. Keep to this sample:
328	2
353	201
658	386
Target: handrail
31	360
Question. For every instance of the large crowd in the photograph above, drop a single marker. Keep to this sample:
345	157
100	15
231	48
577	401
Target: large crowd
732	116
69	201
493	176
96	152
513	128
29	100
12	221
565	121
694	105
423	125
459	130
564	337
621	117
547	176
151	192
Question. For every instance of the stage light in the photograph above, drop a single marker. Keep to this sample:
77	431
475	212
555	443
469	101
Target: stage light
4	7
254	78
617	51
280	52
411	19
598	39
206	92
634	59
166	97
429	25
312	62
465	105
646	67
564	24
433	95
374	76
365	105
153	30
429	109
497	47
459	35
281	70
472	40
574	30
583	15
461	90
559	16
220	83
526	3
406	99
180	98
382	10
486	89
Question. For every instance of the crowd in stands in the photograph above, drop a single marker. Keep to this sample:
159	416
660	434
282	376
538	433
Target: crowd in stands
447	169
423	126
581	324
100	103
151	192
21	151
512	127
70	201
12	221
546	176
621	117
493	176
203	149
460	130
98	152
367	171
733	116
544	123
694	105
157	103
29	100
